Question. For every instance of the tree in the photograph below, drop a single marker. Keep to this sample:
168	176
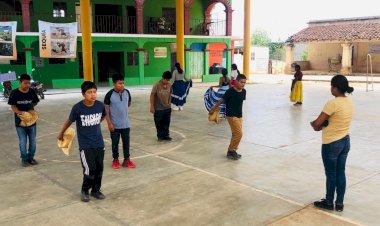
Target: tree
276	50
260	38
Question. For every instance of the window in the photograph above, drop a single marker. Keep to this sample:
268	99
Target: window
20	59
57	60
133	58
59	9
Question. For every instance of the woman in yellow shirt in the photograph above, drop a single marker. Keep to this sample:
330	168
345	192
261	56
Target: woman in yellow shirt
334	121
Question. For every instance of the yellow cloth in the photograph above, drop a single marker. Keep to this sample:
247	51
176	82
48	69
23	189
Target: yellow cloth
340	111
297	94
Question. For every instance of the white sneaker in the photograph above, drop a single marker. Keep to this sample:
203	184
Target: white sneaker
180	108
175	108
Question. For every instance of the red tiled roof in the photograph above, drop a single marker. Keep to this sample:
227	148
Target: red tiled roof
337	32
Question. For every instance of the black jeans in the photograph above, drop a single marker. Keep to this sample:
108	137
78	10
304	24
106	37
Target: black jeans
115	137
162	121
92	163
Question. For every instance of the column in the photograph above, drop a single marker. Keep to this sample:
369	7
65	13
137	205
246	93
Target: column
187	63
187	20
86	40
25	14
28	60
288	58
346	59
180	32
140	52
139	5
247	37
206	59
229	22
228	52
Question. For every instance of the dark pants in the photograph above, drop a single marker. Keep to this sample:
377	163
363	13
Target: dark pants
162	121
115	137
334	157
92	163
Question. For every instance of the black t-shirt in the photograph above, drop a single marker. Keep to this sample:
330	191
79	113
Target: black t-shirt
23	101
234	102
88	119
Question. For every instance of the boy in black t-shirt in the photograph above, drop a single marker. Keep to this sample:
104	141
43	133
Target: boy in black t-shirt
21	100
88	114
233	98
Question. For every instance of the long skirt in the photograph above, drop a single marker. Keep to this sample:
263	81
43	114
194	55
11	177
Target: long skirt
180	91
297	94
211	98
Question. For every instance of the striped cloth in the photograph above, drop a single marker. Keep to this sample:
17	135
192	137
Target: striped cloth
180	91
211	98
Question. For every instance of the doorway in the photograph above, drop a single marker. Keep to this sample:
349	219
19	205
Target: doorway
109	63
108	18
131	20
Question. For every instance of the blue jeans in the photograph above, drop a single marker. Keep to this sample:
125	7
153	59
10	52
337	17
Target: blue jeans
24	133
334	157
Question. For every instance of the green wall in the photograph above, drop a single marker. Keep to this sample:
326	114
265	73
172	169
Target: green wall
156	66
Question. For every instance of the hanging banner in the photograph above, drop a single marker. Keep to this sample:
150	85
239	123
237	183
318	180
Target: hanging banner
8	40
58	40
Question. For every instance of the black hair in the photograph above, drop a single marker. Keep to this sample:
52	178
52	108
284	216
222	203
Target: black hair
178	66
234	67
224	72
167	75
86	85
240	77
24	77
341	83
117	77
297	66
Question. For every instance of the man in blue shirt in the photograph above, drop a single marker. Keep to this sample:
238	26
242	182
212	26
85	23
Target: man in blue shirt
117	102
88	114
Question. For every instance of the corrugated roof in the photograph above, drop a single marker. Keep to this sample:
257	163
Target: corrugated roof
338	32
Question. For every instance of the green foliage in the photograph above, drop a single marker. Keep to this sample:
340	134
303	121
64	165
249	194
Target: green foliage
305	55
277	50
260	38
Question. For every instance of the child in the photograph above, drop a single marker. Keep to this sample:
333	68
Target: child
233	98
117	102
21	100
88	114
160	99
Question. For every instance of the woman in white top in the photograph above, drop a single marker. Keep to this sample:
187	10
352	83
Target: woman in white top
334	121
181	87
234	73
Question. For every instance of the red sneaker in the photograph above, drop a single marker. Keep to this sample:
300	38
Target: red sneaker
128	163
116	164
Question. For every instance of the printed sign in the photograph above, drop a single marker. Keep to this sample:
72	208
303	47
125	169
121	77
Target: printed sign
160	52
57	40
8	41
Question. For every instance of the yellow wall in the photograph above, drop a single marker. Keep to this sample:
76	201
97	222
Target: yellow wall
318	54
360	55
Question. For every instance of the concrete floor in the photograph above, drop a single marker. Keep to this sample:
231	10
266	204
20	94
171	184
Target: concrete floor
189	181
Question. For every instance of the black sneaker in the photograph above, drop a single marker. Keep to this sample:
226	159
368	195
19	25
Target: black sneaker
25	163
238	155
324	205
232	155
339	207
168	138
85	197
32	162
98	195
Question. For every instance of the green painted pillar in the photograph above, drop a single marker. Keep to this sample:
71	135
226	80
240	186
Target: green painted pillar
28	61
206	55
187	64
96	66
141	66
228	59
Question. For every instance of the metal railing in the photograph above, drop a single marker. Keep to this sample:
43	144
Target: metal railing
160	25
369	70
209	27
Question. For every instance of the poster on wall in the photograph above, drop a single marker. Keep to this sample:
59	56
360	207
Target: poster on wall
8	40
57	40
